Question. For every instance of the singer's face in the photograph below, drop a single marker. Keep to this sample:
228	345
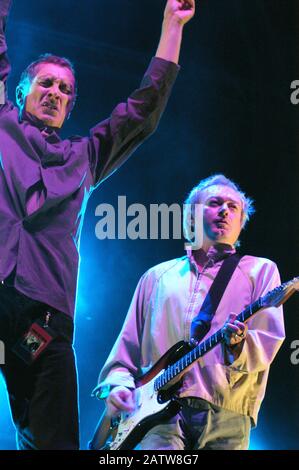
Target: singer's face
222	214
51	94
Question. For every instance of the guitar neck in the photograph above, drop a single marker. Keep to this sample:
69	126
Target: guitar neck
186	361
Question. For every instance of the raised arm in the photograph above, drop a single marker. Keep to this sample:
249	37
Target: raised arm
4	63
131	122
177	13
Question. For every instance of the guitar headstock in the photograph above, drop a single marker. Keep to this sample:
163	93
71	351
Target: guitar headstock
280	294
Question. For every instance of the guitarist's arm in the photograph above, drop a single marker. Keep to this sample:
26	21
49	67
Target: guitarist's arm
264	332
124	361
117	377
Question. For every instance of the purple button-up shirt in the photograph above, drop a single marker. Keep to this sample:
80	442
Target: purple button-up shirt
42	246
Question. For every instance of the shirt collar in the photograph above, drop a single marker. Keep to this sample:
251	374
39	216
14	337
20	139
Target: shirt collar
216	253
50	133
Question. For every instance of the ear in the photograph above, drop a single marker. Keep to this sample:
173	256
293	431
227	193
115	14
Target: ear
20	96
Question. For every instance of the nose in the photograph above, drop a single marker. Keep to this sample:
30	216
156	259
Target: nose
54	91
223	210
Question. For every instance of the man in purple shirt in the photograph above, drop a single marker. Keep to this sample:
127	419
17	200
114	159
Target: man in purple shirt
44	185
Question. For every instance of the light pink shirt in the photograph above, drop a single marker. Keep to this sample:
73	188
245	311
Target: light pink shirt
166	300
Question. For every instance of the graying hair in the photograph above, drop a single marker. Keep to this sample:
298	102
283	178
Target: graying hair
194	197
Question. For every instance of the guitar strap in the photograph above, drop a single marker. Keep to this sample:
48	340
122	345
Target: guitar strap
201	324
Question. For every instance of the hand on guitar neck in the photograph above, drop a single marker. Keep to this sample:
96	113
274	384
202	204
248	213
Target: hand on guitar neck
234	331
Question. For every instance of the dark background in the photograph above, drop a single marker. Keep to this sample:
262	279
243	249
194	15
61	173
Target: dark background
230	112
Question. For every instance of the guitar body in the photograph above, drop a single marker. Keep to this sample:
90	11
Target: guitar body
148	412
152	407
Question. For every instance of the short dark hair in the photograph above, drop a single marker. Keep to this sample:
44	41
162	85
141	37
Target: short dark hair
30	72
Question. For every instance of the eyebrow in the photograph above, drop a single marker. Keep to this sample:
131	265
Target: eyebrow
219	198
52	77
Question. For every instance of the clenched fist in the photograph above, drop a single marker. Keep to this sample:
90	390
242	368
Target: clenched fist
182	10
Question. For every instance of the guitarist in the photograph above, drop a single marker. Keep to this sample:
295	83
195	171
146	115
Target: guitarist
222	393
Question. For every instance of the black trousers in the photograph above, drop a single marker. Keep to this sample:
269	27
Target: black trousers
43	395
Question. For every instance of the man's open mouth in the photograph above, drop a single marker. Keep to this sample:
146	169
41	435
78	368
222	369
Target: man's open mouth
51	106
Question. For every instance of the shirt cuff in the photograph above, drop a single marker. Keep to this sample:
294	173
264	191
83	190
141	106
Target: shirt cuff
160	68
